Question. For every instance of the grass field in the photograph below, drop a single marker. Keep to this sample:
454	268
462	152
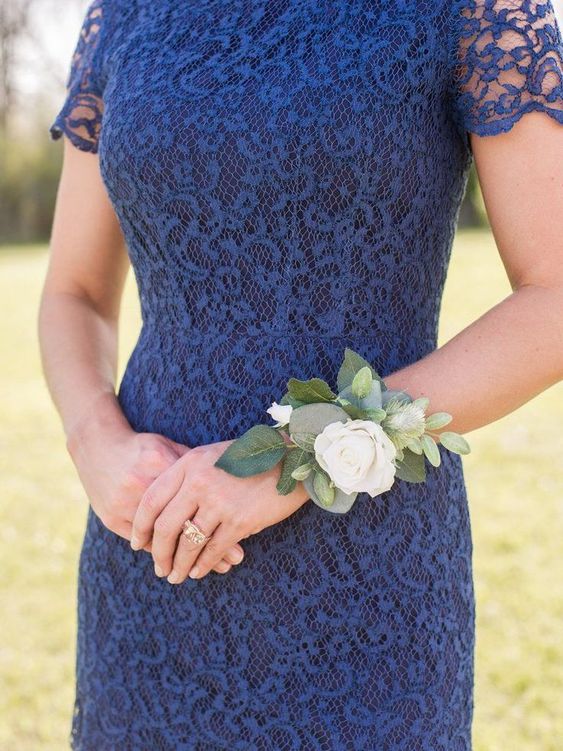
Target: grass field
515	483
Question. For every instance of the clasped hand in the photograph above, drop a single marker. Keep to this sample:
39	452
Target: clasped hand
223	506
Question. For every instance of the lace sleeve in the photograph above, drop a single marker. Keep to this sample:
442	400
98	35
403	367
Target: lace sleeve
80	117
507	60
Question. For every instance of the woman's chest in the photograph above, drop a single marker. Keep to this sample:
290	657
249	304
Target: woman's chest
264	83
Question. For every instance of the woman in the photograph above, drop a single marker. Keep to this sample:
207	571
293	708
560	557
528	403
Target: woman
285	178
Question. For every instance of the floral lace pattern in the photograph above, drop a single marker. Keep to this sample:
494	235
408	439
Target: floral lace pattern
510	61
288	176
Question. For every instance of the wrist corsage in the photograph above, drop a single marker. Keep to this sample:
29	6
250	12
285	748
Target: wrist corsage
358	440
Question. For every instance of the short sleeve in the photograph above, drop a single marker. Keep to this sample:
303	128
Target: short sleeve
80	117
507	59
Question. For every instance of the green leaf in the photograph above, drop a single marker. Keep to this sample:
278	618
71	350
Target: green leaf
313	390
288	399
438	420
374	398
454	442
302	472
361	383
342	503
395	394
352	364
323	489
356	413
294	458
415	445
430	449
377	415
257	450
306	441
313	418
422	402
411	467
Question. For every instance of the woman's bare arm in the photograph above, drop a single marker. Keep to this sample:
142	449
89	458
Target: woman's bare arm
79	308
515	350
78	336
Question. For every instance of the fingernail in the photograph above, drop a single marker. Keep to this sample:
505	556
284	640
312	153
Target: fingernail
194	573
158	571
174	577
135	544
238	557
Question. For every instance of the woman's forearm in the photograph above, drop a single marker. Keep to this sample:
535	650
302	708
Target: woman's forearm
79	357
510	354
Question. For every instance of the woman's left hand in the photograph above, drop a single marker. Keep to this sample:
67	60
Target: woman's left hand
226	507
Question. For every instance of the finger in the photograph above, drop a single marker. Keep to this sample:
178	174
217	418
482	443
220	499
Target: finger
154	499
122	529
222	567
186	552
214	550
234	555
168	534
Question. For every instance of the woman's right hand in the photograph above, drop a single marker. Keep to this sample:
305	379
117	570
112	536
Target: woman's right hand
116	465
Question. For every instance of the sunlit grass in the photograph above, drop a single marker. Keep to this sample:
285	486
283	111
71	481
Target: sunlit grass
515	483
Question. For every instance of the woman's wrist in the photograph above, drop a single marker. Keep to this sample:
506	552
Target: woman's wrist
102	416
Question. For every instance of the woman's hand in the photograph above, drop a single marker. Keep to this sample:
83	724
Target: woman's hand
116	465
228	508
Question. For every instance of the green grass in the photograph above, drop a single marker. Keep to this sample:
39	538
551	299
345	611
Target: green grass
516	496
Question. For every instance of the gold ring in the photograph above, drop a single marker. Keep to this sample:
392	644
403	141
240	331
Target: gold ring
194	533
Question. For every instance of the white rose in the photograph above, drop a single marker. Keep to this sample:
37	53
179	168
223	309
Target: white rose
280	412
357	455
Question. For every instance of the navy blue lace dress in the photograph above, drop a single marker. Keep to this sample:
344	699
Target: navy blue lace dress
288	176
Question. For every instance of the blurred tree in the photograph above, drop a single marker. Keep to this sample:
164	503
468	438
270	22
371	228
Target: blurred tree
29	73
15	23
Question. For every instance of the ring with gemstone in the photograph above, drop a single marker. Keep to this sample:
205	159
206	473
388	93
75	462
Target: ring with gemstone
194	533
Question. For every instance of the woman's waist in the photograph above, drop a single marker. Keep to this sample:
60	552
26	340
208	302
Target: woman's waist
179	343
226	381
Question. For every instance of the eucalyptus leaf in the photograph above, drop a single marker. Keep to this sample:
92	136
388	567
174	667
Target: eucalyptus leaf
411	467
395	394
294	458
347	395
302	472
257	450
377	415
313	418
422	402
342	502
415	445
306	441
454	442
430	449
356	413
352	363
361	383
374	398
324	491
438	420
288	399
313	390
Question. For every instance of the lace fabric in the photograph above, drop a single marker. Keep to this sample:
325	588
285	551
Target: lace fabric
81	116
508	60
288	176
